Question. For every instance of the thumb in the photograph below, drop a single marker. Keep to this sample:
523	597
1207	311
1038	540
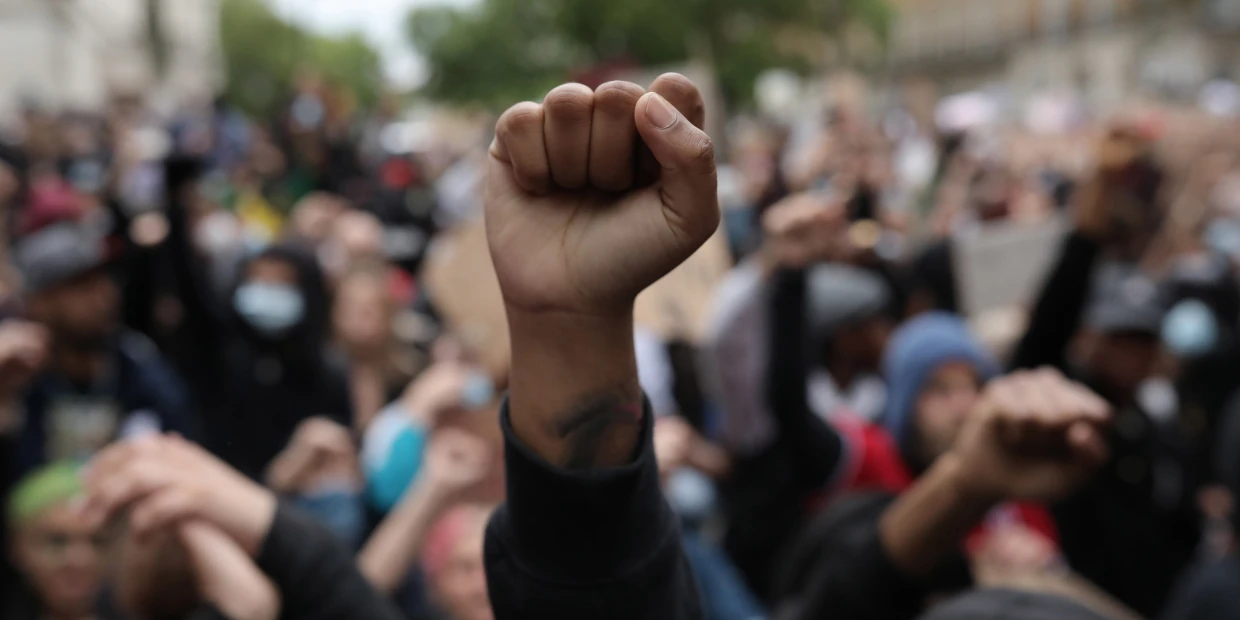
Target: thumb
687	158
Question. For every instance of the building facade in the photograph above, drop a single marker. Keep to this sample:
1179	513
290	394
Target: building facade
77	54
1105	50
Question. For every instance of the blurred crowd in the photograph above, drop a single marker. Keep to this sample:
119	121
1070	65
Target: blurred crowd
207	316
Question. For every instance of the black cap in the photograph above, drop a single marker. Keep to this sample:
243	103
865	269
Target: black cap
58	253
1125	300
839	295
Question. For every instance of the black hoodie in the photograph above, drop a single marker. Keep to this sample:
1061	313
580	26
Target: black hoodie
253	390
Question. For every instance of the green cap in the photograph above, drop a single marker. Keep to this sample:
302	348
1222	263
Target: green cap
42	489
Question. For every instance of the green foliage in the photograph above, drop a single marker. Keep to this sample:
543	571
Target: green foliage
501	51
264	54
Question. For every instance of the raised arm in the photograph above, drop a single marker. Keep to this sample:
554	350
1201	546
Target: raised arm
1034	436
455	462
576	230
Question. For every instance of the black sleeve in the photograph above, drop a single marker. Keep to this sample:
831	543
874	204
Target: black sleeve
815	446
201	319
602	545
1057	314
315	575
851	575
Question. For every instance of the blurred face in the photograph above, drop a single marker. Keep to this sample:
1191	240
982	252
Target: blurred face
944	403
1122	361
462	586
363	312
271	271
62	559
81	313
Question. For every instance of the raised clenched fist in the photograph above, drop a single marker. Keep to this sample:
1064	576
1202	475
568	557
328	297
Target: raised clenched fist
594	195
1033	436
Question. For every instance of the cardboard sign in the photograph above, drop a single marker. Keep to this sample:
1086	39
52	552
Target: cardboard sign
678	306
1003	265
462	284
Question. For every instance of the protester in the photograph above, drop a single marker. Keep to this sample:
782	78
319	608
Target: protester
165	482
100	382
1101	323
258	361
58	552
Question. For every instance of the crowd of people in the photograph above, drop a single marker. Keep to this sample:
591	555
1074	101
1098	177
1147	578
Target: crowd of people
227	391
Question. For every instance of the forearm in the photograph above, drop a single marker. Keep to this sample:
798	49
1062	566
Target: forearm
930	520
1057	313
386	558
573	392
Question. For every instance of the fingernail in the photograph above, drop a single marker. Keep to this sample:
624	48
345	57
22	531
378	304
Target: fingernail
660	112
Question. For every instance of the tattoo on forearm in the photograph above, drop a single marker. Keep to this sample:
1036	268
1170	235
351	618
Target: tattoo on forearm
588	428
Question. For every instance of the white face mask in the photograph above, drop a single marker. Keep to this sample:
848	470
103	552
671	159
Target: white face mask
272	309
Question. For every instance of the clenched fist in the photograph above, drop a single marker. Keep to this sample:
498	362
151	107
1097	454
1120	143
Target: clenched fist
1034	436
594	195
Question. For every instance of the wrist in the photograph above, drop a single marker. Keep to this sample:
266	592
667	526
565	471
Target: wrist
575	375
969	483
255	513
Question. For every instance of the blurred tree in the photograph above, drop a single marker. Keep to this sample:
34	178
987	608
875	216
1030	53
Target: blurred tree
503	50
264	54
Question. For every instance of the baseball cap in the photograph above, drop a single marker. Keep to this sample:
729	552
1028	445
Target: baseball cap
58	253
838	295
1124	299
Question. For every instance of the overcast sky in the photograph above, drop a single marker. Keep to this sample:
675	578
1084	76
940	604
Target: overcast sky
382	21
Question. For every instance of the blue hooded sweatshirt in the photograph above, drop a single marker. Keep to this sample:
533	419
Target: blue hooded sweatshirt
916	350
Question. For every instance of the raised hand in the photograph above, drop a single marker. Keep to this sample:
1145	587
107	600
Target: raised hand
591	197
166	480
805	228
1034	436
573	226
23	351
456	461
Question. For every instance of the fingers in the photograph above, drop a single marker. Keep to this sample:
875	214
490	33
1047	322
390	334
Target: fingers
1038	410
683	94
687	158
1087	443
520	143
157	511
568	113
613	138
685	97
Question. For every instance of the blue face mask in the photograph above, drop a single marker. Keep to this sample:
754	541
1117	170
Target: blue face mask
272	309
1223	236
1190	329
340	511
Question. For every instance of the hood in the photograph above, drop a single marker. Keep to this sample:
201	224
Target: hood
307	341
916	350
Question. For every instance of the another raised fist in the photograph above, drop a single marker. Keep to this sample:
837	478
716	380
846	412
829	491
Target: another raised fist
1034	436
594	195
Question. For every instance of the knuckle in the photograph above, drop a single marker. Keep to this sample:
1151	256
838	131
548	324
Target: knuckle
618	98
571	101
701	152
518	118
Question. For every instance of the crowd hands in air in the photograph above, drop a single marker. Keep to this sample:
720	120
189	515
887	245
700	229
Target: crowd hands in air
274	484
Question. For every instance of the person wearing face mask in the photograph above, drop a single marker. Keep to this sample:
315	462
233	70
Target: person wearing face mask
1199	336
257	360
